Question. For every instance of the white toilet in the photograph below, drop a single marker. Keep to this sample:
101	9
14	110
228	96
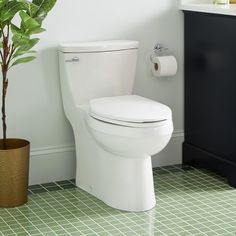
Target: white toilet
115	132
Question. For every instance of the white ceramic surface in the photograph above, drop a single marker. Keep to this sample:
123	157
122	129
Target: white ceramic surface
131	142
98	46
130	108
207	7
113	161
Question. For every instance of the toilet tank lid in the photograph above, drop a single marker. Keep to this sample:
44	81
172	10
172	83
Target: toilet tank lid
130	108
98	46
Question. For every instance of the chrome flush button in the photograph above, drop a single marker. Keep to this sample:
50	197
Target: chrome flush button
74	59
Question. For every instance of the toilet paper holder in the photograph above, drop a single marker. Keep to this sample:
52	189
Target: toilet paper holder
163	63
158	50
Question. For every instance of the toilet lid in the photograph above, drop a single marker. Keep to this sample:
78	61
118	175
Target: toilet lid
130	108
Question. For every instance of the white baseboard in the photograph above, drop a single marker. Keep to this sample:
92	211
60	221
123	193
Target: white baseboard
58	163
52	164
172	154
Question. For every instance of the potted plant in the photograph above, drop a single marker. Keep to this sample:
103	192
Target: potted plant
16	43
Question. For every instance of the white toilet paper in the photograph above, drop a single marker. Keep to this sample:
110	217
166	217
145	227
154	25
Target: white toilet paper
164	66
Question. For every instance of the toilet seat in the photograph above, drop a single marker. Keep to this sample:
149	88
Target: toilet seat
130	111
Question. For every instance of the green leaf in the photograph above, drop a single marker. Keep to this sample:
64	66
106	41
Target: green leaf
15	29
28	24
20	39
25	48
40	17
31	13
44	7
9	10
23	60
31	43
30	7
20	52
37	30
2	3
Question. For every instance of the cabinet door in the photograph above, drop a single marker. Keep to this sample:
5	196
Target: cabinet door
210	83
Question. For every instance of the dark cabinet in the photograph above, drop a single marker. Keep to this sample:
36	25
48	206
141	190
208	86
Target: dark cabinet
210	93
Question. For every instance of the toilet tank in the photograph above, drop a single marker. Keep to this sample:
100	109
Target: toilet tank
96	69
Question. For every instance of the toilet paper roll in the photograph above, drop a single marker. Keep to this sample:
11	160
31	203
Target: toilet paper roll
164	66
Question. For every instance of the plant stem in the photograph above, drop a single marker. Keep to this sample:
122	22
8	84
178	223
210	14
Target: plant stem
4	90
4	55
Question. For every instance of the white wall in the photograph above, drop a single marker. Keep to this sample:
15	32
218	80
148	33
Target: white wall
34	104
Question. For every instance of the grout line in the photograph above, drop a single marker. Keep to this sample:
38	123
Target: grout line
193	202
49	215
90	208
65	209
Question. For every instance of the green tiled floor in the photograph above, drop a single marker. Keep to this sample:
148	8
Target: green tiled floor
189	202
48	187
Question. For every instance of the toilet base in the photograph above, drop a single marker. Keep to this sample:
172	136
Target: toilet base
123	183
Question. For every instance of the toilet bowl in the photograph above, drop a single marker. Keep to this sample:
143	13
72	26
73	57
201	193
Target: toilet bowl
115	132
130	126
131	142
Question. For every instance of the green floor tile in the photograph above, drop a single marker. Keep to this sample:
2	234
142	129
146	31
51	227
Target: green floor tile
189	202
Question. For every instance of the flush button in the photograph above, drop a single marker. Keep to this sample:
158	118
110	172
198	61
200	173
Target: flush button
74	59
